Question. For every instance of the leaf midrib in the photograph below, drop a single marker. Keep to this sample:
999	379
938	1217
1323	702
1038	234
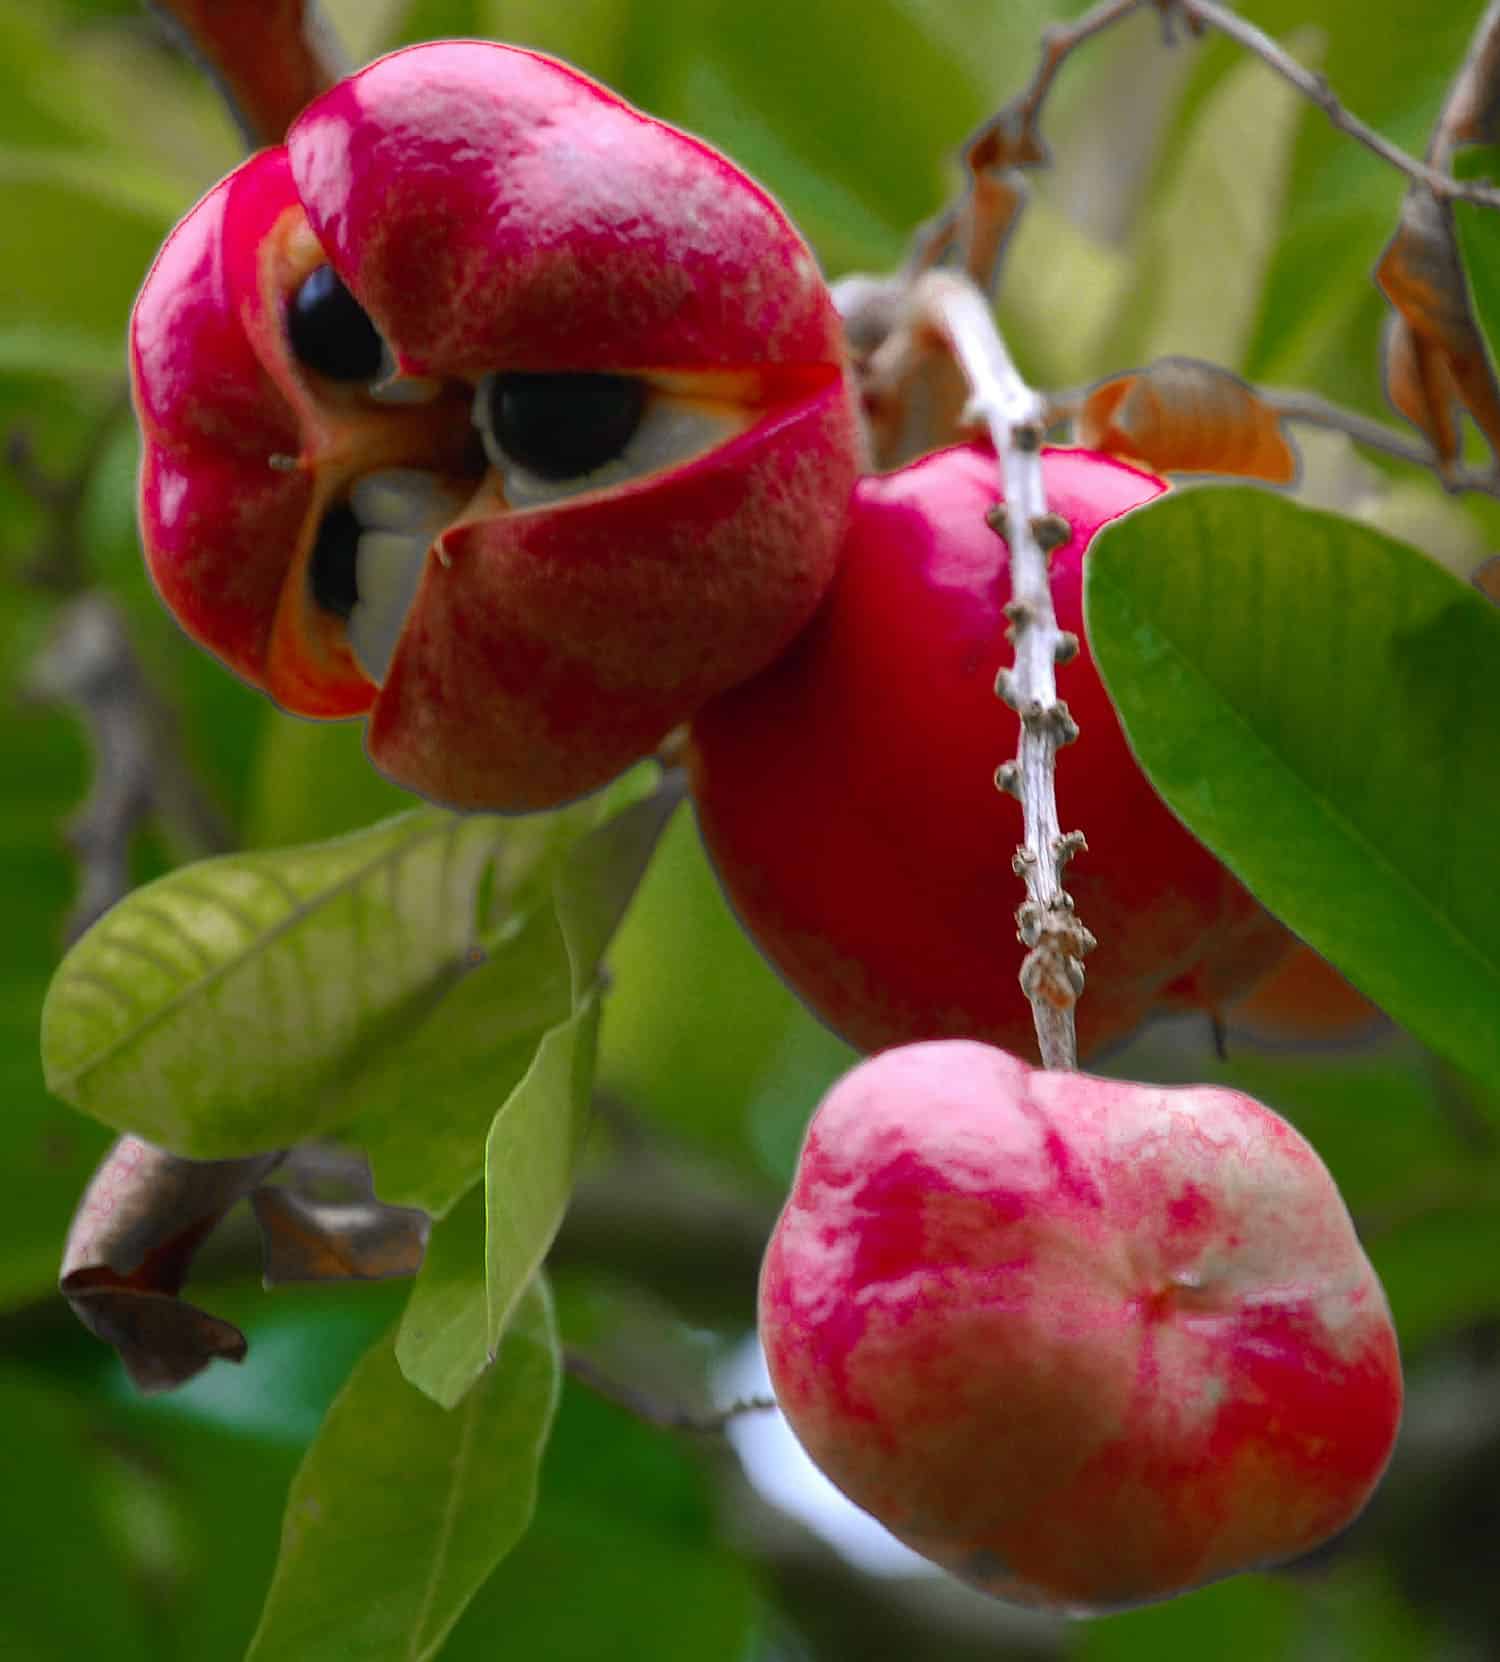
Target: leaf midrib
298	912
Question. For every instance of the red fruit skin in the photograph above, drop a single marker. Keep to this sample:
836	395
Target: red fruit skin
847	795
494	210
490	206
1085	1344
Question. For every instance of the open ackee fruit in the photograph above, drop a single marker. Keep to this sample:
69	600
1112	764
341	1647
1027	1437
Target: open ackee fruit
497	411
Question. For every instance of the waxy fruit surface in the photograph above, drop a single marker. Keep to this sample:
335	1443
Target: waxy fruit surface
848	799
498	411
1084	1344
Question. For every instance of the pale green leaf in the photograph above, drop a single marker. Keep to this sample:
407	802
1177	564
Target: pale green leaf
262	998
530	1158
442	1344
402	1509
422	1110
216	1010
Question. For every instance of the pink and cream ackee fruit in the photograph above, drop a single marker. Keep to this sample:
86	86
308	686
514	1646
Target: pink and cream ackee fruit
847	794
1084	1344
498	411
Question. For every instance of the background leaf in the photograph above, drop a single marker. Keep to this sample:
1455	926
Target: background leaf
1315	701
1479	242
401	1509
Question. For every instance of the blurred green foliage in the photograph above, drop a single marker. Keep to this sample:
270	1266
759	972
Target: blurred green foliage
1194	206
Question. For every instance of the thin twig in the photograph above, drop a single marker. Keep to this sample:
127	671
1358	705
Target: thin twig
1308	410
646	1408
1013	137
1052	974
138	768
1316	90
1472	108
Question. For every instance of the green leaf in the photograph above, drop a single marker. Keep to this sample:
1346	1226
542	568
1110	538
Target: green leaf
257	999
598	883
626	1523
442	1345
401	1509
57	1493
483	1256
214	1011
1316	701
529	1162
423	1109
1479	243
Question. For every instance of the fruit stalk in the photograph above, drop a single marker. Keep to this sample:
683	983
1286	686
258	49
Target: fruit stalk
1052	973
269	60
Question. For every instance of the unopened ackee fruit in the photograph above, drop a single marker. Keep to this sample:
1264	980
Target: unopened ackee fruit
1085	1344
491	408
847	794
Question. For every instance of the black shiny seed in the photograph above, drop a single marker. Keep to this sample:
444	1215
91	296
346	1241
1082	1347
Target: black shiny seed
335	584
561	426
331	332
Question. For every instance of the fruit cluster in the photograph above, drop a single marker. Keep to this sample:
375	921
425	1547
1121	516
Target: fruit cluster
497	411
492	408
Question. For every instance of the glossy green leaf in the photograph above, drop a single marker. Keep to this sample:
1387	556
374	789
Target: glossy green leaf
1479	243
1316	701
402	1509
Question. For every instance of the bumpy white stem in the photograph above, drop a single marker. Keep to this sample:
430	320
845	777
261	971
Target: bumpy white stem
1052	975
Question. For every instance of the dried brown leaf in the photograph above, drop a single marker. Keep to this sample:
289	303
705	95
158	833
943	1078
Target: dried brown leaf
142	1219
1180	415
309	1240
